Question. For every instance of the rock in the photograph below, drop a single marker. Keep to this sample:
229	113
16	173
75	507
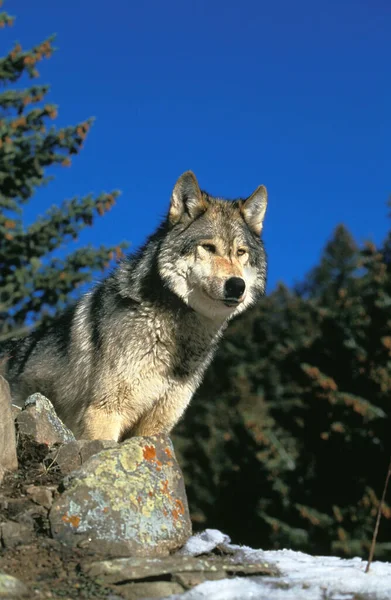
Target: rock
12	506
183	568
126	500
151	589
8	458
89	448
189	580
40	495
13	534
67	456
10	587
39	421
23	510
71	456
15	410
160	577
34	518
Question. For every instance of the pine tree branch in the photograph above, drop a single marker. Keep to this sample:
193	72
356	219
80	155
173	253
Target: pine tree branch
61	225
6	19
20	332
14	65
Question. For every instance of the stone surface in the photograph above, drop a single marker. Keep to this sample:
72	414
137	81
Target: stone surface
127	500
89	448
8	458
67	456
40	495
183	567
39	420
72	455
150	590
10	587
15	410
13	534
30	514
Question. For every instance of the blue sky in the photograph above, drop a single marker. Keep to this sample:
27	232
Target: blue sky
294	95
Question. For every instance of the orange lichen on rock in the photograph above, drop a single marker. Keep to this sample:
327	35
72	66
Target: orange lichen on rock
180	505
149	453
175	514
73	520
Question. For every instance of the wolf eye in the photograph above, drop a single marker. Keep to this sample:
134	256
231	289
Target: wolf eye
241	251
209	248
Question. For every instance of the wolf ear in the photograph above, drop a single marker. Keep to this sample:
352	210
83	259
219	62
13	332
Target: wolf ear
186	199
254	209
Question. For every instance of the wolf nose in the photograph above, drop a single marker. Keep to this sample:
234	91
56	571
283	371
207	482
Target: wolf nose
234	287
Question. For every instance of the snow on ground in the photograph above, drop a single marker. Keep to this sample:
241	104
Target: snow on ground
304	577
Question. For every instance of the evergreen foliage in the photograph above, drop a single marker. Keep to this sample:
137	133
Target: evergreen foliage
287	442
34	281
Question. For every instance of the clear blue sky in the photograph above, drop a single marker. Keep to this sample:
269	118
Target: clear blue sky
292	94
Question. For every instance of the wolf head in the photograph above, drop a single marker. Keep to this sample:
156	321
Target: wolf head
212	256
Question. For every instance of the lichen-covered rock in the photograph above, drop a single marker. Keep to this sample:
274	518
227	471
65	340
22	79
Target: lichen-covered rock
39	420
8	459
128	500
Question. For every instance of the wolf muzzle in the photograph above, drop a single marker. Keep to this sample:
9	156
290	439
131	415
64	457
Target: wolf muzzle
233	290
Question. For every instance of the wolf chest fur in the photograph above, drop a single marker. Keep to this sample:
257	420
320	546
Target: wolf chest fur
127	358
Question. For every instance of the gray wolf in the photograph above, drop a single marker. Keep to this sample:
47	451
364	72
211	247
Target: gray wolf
128	356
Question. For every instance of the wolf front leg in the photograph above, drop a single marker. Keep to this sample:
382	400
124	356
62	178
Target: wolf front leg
99	424
164	415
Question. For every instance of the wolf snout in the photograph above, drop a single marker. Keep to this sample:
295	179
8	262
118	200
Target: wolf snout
234	289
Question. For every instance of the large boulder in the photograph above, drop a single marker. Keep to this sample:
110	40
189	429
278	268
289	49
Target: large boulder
8	458
128	500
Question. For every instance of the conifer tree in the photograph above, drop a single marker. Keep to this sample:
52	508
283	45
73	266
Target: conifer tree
34	282
288	439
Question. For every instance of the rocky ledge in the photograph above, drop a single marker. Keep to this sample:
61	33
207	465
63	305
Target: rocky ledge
93	519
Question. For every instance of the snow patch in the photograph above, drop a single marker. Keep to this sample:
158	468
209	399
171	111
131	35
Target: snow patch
303	577
204	542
